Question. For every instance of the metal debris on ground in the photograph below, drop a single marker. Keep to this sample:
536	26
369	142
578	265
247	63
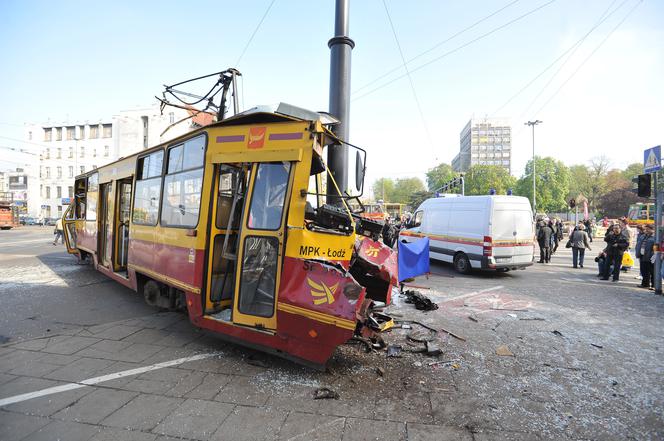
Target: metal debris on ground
325	393
394	351
504	351
596	345
421	336
421	302
473	318
432	349
558	333
380	371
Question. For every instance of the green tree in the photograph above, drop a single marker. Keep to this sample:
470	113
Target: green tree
417	198
383	188
579	181
404	188
439	175
552	180
479	179
633	170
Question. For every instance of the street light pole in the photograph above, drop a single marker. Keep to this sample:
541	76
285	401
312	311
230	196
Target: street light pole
533	124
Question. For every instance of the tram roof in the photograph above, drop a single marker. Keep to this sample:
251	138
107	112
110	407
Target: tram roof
277	113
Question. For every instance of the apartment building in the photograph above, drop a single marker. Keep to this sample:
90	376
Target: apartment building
484	141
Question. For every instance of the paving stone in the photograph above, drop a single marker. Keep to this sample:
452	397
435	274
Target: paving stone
210	386
114	434
356	403
79	370
63	430
148	386
358	429
426	432
196	419
22	385
36	344
148	336
213	364
49	404
307	426
96	406
295	397
14	427
405	406
116	332
120	351
17	359
6	378
35	369
502	435
243	390
69	344
142	413
251	424
185	385
59	359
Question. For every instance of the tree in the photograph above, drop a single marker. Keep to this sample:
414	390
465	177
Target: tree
579	182
404	188
417	198
616	203
439	175
383	188
552	181
615	180
479	179
633	170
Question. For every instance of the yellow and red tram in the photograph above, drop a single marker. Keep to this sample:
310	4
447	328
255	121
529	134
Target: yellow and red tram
229	222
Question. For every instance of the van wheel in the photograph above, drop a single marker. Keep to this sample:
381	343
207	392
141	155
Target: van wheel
461	263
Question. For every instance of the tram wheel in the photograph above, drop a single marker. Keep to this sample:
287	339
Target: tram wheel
151	292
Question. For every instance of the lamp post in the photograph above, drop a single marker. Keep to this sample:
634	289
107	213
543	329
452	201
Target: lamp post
533	124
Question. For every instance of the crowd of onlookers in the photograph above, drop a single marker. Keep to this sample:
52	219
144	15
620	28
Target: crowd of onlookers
614	255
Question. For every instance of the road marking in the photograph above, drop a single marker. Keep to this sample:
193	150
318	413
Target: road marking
474	293
96	380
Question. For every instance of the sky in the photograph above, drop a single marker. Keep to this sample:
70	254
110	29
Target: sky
75	60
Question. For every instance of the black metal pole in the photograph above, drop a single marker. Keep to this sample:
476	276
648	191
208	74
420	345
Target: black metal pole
340	56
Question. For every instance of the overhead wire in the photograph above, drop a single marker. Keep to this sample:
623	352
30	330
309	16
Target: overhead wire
636	5
437	45
253	34
571	50
410	80
458	48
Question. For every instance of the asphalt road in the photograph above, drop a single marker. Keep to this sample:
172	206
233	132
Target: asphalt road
44	290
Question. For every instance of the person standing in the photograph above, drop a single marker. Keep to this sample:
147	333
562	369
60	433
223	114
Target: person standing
59	232
554	235
640	235
589	229
579	241
544	241
616	246
644	252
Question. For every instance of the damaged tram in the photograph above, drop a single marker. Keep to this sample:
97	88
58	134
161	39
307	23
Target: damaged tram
229	223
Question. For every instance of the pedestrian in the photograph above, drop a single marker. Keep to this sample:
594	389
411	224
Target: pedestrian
554	236
59	232
589	229
616	246
544	241
579	243
644	252
601	261
625	230
605	222
640	235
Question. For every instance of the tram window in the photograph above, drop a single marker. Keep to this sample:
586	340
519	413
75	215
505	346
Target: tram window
148	189
182	199
229	180
269	195
91	197
186	156
259	275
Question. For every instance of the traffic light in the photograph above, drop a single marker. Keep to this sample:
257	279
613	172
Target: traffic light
643	185
572	203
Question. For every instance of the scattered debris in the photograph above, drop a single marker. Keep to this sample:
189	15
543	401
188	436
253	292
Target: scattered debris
596	345
614	383
473	318
558	333
380	371
532	318
421	302
432	349
504	351
512	315
406	326
324	393
458	337
421	336
456	366
394	351
417	364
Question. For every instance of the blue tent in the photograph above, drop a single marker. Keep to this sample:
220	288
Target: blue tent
413	258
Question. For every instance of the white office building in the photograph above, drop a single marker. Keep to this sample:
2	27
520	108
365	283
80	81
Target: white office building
484	141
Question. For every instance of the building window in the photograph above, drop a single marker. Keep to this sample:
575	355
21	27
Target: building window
82	152
48	172
71	171
82	169
59	211
145	131
108	130
58	192
47	155
81	132
71	133
58	134
94	152
107	150
48	211
48	135
71	152
41	190
48	192
70	191
59	172
59	153
94	132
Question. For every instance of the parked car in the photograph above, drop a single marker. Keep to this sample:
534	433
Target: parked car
50	221
476	232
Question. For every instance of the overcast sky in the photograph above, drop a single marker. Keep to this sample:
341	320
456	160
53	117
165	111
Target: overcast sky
86	60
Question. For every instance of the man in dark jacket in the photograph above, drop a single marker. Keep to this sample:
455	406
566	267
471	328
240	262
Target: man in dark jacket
644	253
616	246
544	240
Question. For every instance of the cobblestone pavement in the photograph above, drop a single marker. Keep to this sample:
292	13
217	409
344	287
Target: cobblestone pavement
586	363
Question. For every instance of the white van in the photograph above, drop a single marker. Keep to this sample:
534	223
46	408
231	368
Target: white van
476	232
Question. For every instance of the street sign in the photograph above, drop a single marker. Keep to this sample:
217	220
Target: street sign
66	201
652	159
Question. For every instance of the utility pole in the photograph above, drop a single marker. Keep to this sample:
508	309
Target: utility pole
658	236
533	124
340	46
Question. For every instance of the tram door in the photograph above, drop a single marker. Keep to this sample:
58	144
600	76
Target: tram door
121	230
104	233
